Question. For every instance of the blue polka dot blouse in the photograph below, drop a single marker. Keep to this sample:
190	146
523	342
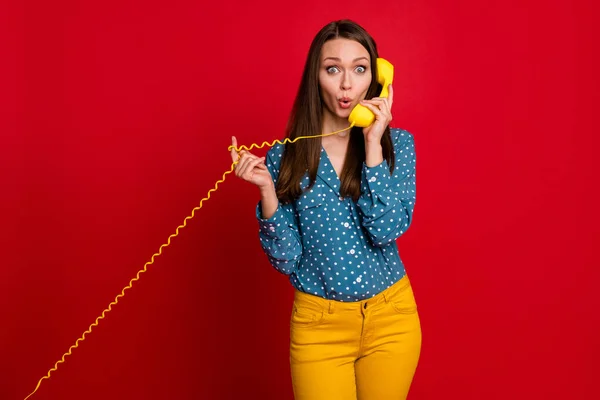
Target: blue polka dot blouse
336	248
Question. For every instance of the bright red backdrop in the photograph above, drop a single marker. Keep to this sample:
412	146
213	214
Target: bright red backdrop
116	122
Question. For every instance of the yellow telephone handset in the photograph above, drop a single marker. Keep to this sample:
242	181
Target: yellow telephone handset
361	116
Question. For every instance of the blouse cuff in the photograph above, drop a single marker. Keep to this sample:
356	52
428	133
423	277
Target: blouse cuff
377	178
270	226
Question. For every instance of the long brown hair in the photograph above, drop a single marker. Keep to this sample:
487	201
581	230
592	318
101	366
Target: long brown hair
306	119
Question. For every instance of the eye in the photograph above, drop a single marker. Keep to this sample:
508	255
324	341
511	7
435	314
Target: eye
361	69
332	69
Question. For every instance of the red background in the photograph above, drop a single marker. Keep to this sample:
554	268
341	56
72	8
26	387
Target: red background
116	121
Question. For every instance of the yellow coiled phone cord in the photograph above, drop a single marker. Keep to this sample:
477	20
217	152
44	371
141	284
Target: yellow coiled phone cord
144	269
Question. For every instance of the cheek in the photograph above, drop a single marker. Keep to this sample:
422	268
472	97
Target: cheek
327	90
365	86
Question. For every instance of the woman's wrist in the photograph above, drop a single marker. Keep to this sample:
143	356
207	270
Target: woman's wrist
269	200
373	154
267	189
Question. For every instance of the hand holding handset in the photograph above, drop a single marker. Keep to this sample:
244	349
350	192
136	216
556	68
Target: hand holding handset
361	116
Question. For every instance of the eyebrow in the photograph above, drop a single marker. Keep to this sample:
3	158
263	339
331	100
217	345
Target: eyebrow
339	59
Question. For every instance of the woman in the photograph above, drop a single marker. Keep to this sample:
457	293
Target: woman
330	211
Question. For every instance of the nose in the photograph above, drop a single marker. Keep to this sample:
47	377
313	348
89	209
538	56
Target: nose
345	84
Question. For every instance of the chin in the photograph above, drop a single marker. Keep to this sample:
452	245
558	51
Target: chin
343	114
337	112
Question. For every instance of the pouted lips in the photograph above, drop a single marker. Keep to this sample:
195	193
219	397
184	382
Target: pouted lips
345	102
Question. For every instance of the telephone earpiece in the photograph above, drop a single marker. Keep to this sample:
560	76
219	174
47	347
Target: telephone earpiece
361	116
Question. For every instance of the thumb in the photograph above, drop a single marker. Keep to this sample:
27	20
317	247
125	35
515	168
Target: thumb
262	165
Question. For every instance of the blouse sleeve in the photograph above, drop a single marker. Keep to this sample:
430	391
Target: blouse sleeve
279	235
387	200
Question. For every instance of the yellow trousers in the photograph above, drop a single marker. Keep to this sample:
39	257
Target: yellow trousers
365	350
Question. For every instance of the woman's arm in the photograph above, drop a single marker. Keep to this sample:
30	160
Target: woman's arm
387	201
278	230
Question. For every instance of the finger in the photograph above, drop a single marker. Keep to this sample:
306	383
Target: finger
250	168
382	104
381	101
247	158
240	156
376	110
262	164
246	152
234	154
391	95
237	161
241	162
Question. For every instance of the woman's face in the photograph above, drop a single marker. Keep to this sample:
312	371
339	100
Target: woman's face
344	75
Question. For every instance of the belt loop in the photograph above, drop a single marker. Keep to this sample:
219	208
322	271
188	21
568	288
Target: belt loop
330	307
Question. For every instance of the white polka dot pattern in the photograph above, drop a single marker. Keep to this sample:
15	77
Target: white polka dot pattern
334	247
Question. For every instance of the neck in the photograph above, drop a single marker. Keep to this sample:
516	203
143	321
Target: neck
332	123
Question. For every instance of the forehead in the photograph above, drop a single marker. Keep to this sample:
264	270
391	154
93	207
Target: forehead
345	49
